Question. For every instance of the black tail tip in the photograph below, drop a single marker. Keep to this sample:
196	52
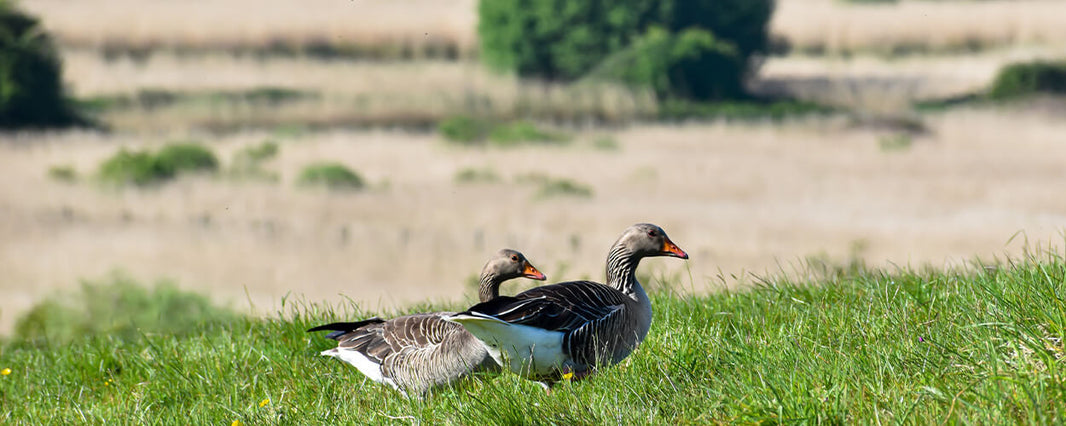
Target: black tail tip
345	326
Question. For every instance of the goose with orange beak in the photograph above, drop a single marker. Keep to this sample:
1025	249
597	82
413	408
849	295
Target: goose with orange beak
415	353
570	328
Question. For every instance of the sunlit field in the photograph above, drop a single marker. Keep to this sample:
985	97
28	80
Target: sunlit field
739	197
874	236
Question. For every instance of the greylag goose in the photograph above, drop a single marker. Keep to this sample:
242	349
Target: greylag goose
415	353
572	327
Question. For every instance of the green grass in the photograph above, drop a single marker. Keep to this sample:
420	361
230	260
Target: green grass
1029	79
855	346
133	167
470	131
145	168
331	175
523	132
464	130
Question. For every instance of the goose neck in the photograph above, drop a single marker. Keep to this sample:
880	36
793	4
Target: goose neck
489	288
622	270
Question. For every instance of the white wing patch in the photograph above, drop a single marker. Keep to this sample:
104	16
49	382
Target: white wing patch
519	348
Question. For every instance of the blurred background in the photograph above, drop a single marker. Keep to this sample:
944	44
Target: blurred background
380	151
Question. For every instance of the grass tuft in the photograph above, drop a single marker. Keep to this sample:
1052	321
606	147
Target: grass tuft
464	130
558	187
475	175
186	157
133	167
145	168
524	132
330	175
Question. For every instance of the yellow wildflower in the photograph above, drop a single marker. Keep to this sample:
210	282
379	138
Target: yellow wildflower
264	403
568	375
235	423
5	371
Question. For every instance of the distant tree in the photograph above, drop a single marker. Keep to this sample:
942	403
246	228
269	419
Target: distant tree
31	89
699	49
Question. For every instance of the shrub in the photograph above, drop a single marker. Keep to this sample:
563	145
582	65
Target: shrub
464	129
186	157
118	307
330	175
65	174
676	65
564	40
133	167
522	131
1031	78
144	168
31	90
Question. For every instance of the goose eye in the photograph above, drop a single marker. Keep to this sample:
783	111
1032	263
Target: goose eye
652	233
514	257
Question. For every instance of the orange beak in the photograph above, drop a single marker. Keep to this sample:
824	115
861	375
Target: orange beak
532	273
671	249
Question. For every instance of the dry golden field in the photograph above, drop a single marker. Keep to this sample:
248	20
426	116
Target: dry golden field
740	196
817	25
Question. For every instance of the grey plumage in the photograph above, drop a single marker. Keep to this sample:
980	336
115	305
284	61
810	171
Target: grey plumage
598	324
415	353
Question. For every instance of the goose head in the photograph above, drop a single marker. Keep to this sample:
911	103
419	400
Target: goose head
506	264
648	240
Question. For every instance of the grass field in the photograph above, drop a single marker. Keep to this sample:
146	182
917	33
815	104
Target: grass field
854	346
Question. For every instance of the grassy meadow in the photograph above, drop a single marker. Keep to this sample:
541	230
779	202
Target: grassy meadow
259	168
847	344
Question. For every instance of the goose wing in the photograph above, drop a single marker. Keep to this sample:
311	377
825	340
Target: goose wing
590	315
557	307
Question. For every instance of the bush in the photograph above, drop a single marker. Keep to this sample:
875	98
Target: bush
676	65
1031	78
464	129
144	168
119	308
330	175
133	167
31	90
562	40
186	157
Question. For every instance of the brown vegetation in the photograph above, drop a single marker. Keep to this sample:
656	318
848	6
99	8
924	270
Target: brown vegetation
737	197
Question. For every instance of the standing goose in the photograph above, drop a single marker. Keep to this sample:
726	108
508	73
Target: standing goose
572	327
415	353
